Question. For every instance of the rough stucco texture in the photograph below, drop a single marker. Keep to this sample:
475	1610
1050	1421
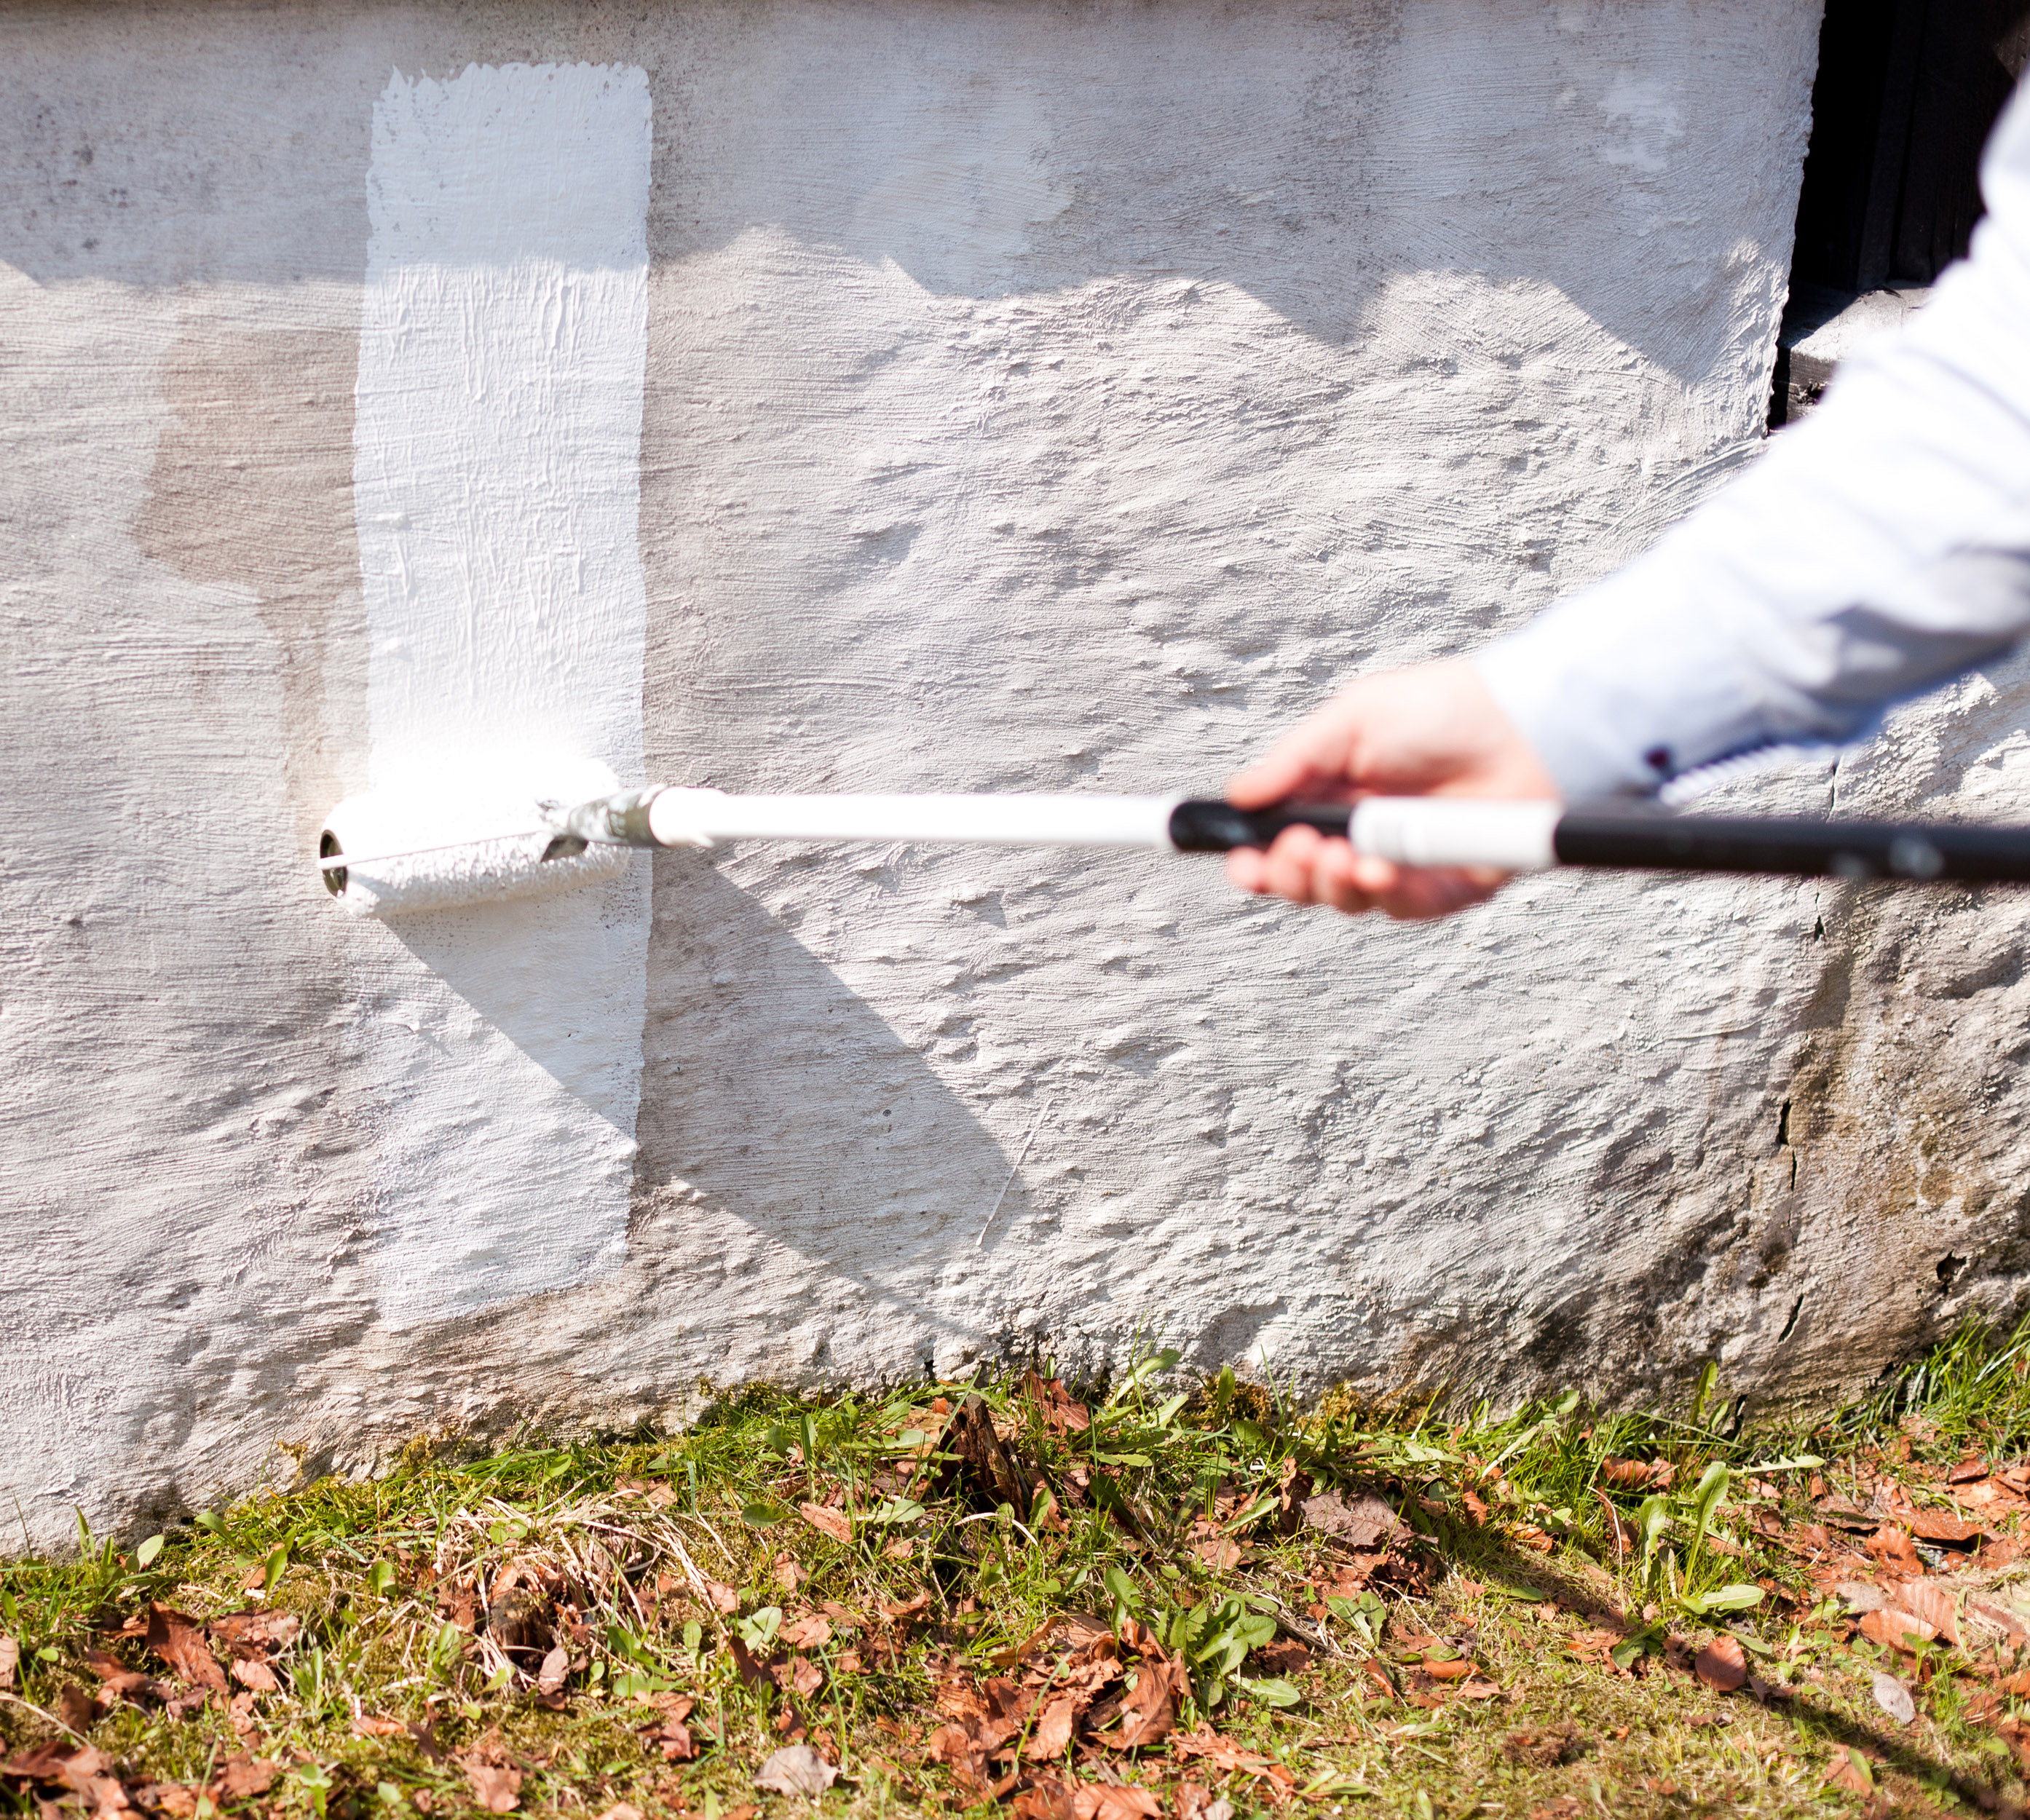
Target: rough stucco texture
1034	396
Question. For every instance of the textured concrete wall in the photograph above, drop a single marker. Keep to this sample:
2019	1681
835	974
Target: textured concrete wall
1031	397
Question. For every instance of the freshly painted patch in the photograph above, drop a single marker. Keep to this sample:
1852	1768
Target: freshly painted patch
503	347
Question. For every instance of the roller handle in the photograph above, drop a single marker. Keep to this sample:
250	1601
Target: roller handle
1204	826
1796	846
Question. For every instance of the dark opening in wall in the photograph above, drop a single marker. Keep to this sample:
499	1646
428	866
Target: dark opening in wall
1907	92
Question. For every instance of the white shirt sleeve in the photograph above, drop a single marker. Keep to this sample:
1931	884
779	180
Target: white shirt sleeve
1874	549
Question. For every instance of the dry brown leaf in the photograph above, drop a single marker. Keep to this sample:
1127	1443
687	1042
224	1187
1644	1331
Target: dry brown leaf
1150	1711
669	1734
805	1677
1043	1801
952	1744
1476	1689
250	1671
553	1671
623	1811
796	1769
121	1681
1056	1405
242	1778
78	1709
370	1725
1222	1753
1898	1629
1221	1553
1627	1475
255	1630
1367	1522
81	1768
835	1523
179	1640
2013	1623
1893	1698
807	1632
1936	1526
497	1787
1722	1664
1892	1546
1053	1729
10	1657
1098	1801
1285	1656
1455	1670
1195	1802
722	1597
1849	1771
1547	1748
44	1763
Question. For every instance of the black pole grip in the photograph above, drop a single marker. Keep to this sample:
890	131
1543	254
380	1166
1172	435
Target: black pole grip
1203	826
1798	846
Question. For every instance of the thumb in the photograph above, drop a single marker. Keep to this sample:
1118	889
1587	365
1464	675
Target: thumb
1314	759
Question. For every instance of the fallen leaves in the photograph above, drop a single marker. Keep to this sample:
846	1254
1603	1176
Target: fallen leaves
1896	1629
1891	1545
1936	1526
1849	1771
666	1733
808	1632
1052	1731
1548	1748
240	1778
497	1787
1367	1522
835	1523
1150	1711
1893	1698
1104	1801
1722	1664
179	1640
1195	1803
1627	1475
796	1769
1061	1411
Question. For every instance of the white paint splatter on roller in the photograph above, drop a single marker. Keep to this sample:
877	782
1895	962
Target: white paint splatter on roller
503	346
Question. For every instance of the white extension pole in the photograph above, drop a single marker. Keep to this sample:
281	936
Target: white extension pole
1511	837
690	817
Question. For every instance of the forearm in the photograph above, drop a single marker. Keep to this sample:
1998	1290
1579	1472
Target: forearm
1878	548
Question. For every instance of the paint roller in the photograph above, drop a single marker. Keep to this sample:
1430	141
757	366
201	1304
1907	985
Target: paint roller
432	844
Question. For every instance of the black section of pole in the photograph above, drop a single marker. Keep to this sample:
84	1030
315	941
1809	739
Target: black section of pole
1207	827
1799	847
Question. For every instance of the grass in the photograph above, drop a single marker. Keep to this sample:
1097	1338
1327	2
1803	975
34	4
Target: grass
909	1585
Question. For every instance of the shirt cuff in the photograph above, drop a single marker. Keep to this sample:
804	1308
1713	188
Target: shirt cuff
1620	689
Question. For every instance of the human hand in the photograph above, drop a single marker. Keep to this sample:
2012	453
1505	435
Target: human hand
1434	729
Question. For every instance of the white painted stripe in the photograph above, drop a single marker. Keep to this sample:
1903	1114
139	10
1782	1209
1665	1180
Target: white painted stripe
504	340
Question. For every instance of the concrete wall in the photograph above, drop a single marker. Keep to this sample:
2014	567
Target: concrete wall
1028	397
